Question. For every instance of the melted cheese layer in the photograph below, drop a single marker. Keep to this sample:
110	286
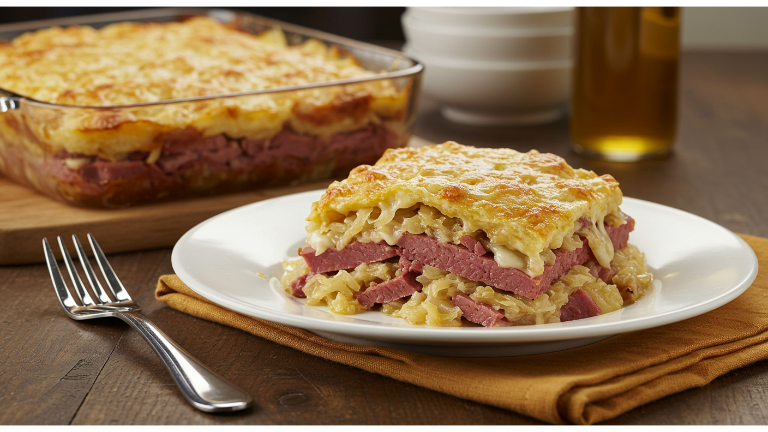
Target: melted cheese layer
528	203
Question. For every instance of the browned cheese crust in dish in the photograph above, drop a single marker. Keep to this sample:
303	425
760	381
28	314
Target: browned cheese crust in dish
89	142
450	234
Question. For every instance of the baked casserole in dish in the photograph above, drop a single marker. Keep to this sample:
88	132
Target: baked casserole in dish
449	232
137	112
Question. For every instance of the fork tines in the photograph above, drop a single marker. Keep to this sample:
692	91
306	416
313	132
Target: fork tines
201	386
116	289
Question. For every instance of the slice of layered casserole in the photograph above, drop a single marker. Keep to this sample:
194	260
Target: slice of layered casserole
493	236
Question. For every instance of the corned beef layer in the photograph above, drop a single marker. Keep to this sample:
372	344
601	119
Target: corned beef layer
580	305
483	268
191	164
469	260
476	312
385	292
350	257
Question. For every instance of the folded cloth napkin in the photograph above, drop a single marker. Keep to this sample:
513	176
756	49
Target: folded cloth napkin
582	385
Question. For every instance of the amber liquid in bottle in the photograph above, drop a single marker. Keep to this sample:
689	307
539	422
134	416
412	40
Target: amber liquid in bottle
624	103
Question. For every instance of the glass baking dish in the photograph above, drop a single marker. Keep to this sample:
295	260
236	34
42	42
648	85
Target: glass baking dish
40	148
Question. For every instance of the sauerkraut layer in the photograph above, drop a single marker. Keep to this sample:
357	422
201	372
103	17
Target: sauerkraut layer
433	305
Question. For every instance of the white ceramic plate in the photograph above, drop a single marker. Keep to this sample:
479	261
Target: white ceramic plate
698	266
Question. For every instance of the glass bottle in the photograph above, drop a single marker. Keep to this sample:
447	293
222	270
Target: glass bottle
624	102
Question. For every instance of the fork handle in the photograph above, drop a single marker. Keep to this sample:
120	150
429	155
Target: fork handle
203	388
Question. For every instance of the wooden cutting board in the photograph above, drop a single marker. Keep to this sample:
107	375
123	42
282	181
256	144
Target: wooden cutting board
26	217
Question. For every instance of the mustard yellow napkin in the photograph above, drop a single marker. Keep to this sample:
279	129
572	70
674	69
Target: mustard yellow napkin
582	385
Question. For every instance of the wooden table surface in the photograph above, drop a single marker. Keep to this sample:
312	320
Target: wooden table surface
57	371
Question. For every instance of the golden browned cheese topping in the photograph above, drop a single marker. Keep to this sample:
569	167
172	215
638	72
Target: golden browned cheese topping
526	202
129	63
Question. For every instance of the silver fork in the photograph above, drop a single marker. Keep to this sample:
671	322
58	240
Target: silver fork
202	387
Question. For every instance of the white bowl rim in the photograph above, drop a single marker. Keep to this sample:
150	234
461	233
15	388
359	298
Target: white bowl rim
474	10
415	23
525	65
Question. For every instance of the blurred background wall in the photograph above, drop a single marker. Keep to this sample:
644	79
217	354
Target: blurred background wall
703	27
374	23
723	27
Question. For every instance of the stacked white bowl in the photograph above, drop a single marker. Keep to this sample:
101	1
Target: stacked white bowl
493	66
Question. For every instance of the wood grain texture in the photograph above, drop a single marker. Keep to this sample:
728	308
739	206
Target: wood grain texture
57	371
30	217
49	362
